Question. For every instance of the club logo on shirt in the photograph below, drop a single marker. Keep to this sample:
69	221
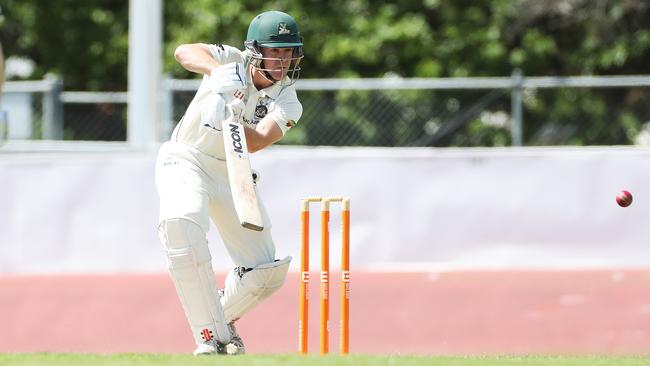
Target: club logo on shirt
291	123
260	111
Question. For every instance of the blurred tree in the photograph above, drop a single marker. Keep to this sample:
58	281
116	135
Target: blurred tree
86	43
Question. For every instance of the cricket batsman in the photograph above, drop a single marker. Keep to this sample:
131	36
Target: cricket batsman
255	86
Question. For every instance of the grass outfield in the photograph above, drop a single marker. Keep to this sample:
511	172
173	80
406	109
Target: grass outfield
49	359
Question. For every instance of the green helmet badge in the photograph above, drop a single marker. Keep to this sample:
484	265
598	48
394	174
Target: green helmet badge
283	28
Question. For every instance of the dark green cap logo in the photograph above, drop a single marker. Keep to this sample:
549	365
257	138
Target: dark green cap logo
283	28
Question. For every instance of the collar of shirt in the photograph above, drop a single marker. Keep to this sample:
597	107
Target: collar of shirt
272	91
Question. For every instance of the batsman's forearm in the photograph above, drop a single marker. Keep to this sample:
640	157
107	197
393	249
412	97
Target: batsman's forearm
258	140
253	140
196	58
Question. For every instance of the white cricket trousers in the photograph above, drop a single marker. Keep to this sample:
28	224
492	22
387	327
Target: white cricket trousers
195	186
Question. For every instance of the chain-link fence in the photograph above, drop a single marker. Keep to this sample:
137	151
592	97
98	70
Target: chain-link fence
587	116
395	117
40	110
379	112
95	117
386	117
389	117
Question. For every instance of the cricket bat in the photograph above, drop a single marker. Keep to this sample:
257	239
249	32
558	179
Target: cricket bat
242	186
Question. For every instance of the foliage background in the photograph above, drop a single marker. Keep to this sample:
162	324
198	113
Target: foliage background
86	42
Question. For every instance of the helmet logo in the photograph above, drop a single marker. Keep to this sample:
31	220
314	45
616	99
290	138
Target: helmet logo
283	28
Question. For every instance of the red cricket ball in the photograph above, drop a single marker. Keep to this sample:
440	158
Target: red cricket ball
624	198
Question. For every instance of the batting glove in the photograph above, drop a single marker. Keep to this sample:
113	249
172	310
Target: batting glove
236	107
228	77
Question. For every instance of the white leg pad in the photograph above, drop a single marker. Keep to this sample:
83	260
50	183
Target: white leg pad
243	294
189	263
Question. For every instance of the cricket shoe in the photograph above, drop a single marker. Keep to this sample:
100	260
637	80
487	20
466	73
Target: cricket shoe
211	347
236	345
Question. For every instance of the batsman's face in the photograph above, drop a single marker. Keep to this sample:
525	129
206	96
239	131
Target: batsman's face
277	61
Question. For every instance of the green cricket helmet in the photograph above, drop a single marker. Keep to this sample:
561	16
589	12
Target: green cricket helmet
274	29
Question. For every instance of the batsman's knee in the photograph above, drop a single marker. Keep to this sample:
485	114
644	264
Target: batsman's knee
185	242
244	290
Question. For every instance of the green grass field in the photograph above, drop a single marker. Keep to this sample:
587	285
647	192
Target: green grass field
49	359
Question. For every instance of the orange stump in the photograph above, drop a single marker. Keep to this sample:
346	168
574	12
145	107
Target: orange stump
345	278
303	326
324	275
324	278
